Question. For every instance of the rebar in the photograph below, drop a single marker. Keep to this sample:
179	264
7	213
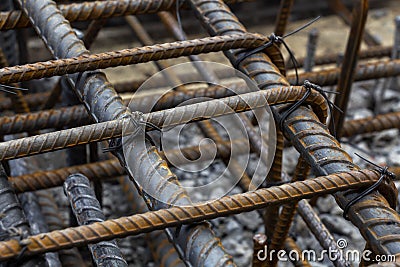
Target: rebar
175	216
309	61
287	214
129	56
283	17
359	18
34	215
367	71
94	10
87	211
371	124
13	221
110	168
321	233
163	251
180	115
68	257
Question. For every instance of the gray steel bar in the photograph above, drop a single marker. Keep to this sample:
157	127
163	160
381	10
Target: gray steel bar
87	210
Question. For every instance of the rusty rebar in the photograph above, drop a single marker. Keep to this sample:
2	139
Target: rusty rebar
87	211
321	233
346	15
175	216
283	17
367	71
271	214
68	257
259	243
94	10
290	245
371	52
110	168
129	56
286	215
34	216
371	124
200	111
162	250
309	61
309	136
13	221
359	18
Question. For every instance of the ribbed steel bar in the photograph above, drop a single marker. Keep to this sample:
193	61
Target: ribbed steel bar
309	136
34	215
371	52
162	250
321	233
175	216
346	15
129	56
271	214
371	124
13	221
286	215
111	168
290	245
314	142
87	211
200	111
93	10
283	17
359	18
68	257
309	61
197	243
256	142
367	71
259	243
76	115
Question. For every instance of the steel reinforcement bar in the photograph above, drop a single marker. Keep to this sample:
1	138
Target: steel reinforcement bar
129	56
171	117
107	169
175	216
95	10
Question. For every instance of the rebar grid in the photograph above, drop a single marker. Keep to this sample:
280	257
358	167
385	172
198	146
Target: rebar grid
303	128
